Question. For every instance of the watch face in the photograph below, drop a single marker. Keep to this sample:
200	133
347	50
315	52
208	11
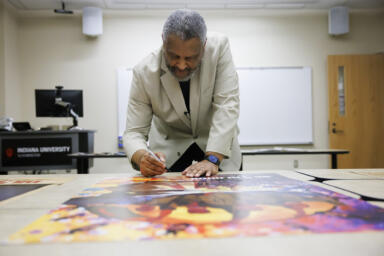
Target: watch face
213	159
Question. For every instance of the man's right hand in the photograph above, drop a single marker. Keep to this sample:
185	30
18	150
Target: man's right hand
149	165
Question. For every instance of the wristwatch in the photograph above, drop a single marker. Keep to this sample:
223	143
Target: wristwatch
213	159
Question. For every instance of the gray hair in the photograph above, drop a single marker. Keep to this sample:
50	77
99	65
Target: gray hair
185	24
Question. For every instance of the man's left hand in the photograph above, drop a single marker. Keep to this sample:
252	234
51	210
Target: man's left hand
198	169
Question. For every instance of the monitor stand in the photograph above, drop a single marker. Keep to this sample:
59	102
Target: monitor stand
75	128
75	117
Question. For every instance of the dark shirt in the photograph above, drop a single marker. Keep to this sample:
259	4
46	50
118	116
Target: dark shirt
185	90
193	152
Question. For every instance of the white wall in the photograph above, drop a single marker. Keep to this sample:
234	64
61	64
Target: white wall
12	73
2	60
53	51
10	87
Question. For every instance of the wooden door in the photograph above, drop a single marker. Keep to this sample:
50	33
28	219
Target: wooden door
356	109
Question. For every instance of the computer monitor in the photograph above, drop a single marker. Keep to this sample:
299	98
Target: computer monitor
46	107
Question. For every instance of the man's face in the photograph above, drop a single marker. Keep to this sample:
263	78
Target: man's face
182	57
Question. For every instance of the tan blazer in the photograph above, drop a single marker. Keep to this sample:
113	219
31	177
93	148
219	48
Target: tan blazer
157	111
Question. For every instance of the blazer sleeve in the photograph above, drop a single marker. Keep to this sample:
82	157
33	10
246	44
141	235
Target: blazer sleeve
225	105
139	117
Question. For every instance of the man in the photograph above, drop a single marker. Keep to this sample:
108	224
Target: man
184	100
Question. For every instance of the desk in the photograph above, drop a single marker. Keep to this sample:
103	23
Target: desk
42	150
322	175
83	159
366	184
372	189
19	213
288	151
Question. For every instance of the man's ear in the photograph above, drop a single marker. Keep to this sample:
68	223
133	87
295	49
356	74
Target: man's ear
203	50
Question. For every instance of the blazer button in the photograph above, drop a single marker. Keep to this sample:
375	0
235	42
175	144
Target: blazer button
166	137
178	153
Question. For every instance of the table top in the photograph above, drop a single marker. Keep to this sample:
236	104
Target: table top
343	174
34	132
369	188
291	151
16	214
97	155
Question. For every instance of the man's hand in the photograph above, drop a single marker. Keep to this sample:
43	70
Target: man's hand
150	166
201	168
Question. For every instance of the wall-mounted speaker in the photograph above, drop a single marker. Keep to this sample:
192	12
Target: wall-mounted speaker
92	21
338	20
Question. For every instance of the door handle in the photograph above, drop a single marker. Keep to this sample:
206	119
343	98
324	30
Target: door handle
337	131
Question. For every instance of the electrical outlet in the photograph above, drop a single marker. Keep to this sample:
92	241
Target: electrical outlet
295	164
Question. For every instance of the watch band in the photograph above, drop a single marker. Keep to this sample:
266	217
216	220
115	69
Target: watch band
213	159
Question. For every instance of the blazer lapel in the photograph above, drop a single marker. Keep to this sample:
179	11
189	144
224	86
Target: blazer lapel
173	90
194	99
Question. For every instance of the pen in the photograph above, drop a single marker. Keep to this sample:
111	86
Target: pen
158	159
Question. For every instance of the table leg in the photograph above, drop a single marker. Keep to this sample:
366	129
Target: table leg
334	160
82	165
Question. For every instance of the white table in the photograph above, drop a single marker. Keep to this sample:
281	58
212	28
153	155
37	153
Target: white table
367	188
343	174
16	214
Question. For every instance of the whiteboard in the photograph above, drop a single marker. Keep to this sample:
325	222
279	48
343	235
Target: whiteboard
275	104
124	79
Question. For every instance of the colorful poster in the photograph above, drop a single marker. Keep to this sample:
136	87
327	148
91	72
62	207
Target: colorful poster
12	187
233	205
33	180
11	191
